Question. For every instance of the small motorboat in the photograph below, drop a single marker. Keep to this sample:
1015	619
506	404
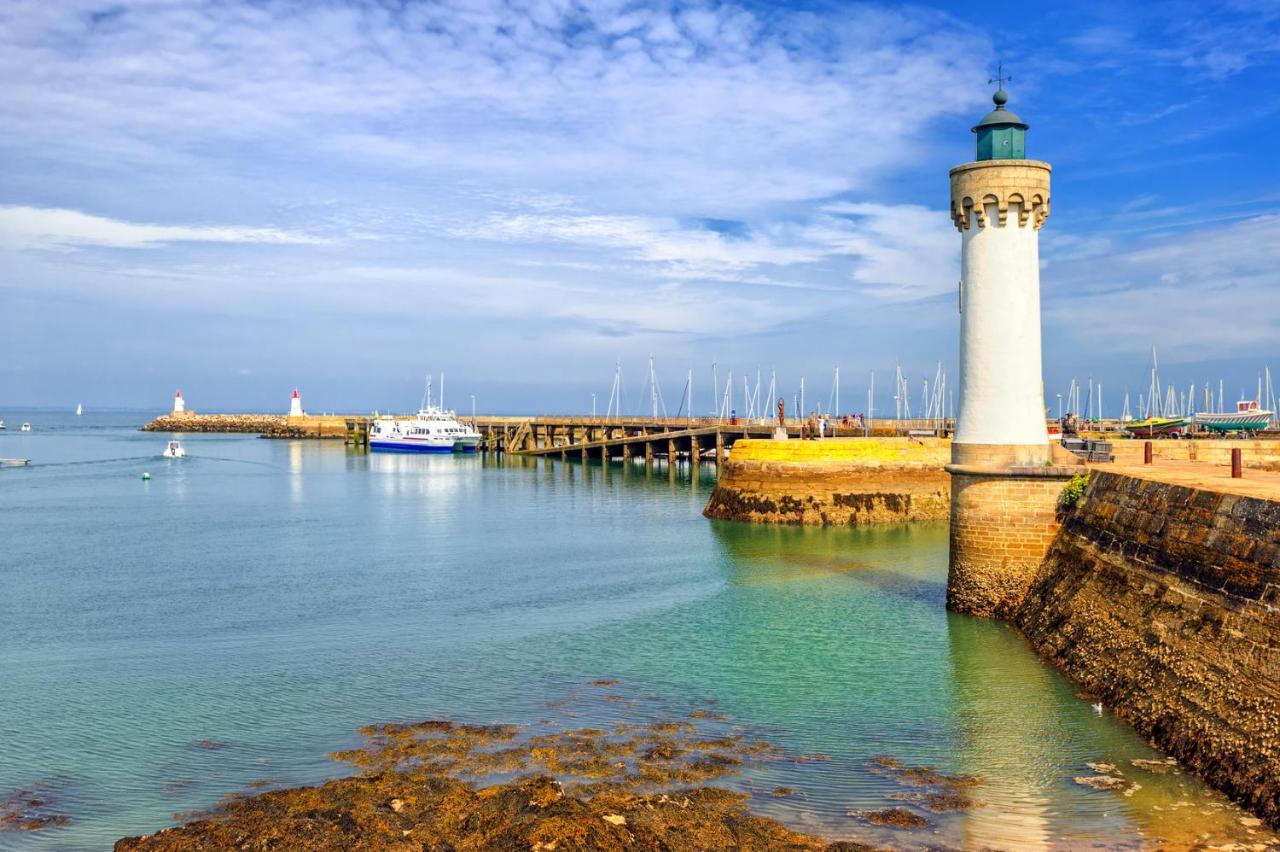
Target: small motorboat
1	425
173	450
26	427
1157	427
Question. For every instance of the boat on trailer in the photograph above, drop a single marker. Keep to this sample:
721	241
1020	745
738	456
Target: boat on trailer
1249	416
1157	427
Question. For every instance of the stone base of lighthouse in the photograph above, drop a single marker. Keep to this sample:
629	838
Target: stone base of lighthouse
1004	515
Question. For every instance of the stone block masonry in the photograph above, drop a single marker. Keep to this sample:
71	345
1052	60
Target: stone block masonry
1164	601
833	482
1001	526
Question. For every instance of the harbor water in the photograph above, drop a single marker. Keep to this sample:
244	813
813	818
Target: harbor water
235	618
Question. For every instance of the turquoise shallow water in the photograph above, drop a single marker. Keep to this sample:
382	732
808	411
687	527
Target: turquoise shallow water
273	596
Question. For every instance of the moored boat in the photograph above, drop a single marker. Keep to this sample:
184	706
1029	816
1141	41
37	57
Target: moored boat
408	436
1248	417
26	427
465	439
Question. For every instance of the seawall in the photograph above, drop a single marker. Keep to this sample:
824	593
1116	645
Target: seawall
837	481
1163	599
269	425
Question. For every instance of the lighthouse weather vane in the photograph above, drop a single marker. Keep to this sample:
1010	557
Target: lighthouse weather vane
1001	78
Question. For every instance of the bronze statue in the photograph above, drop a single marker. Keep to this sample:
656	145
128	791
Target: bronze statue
782	412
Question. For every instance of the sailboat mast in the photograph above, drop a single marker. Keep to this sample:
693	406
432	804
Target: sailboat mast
871	400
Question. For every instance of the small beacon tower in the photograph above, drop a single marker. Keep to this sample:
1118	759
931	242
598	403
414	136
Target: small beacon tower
295	405
1003	493
179	404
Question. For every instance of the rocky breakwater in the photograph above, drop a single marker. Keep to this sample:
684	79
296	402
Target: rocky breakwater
266	424
841	481
1163	600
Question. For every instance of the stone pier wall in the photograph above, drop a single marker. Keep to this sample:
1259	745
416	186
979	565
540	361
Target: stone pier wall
838	481
1164	601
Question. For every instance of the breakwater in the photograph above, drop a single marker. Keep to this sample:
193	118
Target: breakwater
1163	599
270	425
833	482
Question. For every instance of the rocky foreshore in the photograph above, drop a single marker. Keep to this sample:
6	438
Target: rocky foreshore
633	786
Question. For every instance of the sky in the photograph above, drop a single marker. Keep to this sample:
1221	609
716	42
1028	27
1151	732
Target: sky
237	198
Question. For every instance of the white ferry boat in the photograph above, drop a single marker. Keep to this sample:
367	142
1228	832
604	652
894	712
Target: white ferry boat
465	439
408	436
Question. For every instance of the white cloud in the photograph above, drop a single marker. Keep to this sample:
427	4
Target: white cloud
698	110
900	251
39	227
1197	293
682	251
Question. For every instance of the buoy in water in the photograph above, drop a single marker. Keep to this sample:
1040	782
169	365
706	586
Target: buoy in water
146	476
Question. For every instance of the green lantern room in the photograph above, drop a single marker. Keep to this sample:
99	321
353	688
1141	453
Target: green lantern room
1001	134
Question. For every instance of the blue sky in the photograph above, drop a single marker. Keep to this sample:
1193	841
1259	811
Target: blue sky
236	198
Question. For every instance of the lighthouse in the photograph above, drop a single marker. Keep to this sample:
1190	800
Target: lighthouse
1003	487
179	404
295	405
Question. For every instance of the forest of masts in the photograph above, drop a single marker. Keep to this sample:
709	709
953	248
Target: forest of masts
755	397
1164	400
757	400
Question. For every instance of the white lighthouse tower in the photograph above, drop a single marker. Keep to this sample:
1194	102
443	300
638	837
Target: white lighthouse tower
295	405
1003	488
179	404
999	202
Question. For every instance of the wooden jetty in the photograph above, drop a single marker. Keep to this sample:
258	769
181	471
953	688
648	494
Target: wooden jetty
667	439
